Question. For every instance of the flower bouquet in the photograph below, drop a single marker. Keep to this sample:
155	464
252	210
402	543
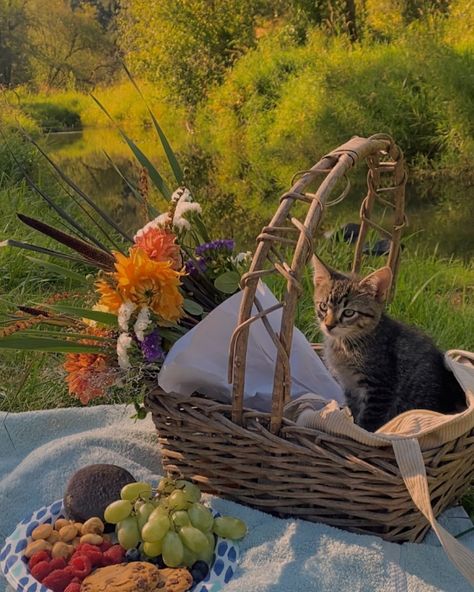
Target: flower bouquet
145	291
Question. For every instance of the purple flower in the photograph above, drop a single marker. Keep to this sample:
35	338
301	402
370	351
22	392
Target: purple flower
195	266
206	249
151	347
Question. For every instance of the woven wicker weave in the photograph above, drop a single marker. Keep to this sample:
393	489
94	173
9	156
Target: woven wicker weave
265	460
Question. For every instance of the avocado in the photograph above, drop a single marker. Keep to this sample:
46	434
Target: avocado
91	489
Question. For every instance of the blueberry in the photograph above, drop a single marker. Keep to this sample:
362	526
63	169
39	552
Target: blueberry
132	555
158	561
197	576
201	567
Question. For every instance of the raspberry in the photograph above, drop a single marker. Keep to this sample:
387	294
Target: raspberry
81	566
114	555
57	580
105	546
93	552
37	557
40	570
73	587
58	563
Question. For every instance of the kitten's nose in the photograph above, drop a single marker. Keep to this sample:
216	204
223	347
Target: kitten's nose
330	322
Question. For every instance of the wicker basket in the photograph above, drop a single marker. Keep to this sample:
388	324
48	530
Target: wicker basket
265	460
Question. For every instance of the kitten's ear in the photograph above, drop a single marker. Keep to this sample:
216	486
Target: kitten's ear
378	283
321	273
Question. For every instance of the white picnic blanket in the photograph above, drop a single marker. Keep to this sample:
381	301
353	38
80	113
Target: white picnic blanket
40	450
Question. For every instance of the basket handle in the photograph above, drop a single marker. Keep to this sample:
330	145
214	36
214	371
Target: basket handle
383	156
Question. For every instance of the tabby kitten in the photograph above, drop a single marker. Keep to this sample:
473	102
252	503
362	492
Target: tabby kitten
384	366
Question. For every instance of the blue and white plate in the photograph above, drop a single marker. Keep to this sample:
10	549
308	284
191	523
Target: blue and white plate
15	568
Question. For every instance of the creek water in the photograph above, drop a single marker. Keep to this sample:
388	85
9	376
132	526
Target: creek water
440	212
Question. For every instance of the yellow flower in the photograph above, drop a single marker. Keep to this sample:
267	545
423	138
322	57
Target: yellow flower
147	283
110	299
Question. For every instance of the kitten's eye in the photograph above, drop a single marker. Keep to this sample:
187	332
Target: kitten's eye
323	306
348	313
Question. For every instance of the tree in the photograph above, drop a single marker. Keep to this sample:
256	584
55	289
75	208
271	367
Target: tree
186	44
13	22
67	47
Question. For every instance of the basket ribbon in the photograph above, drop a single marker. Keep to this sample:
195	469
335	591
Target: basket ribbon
408	434
412	468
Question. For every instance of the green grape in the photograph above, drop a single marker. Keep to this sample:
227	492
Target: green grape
132	491
159	511
200	517
153	549
180	518
229	528
127	533
193	538
166	485
138	504
189	558
207	554
143	514
172	549
192	492
154	530
117	511
177	500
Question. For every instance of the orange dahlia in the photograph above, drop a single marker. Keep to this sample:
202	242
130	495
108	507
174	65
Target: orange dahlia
159	245
149	283
88	376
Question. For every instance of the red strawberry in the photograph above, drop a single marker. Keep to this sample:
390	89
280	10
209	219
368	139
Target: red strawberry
40	570
81	566
73	587
37	557
57	580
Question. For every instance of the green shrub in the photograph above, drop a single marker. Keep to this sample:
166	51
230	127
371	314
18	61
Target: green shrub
53	117
283	106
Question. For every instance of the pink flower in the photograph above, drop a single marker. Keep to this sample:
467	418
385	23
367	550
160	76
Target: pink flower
160	245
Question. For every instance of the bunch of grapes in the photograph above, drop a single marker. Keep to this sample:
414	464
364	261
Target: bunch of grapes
169	522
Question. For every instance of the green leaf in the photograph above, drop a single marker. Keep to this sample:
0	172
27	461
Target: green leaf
64	334
29	247
192	307
106	318
60	270
228	282
140	156
81	193
47	344
170	155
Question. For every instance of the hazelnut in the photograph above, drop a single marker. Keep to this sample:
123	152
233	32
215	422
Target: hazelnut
67	533
36	546
60	522
53	537
43	531
92	539
61	549
93	525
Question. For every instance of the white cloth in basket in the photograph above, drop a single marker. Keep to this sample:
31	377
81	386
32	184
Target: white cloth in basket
198	361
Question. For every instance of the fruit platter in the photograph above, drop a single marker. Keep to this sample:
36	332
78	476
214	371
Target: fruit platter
131	536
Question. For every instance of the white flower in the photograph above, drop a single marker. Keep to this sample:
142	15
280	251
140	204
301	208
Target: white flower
242	258
183	209
147	226
124	313
142	322
181	194
124	342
